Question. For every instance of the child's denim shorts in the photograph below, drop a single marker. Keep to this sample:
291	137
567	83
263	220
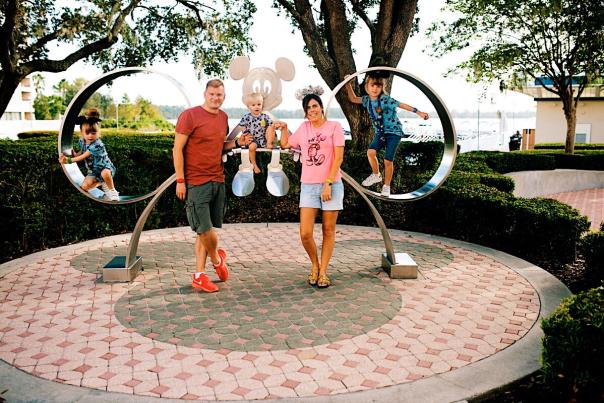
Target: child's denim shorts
390	142
310	196
96	172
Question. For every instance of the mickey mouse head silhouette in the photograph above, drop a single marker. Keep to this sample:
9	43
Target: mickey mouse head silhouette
263	80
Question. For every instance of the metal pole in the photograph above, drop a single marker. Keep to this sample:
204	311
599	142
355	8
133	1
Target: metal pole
478	129
378	218
138	228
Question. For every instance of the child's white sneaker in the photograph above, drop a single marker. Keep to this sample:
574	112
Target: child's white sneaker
112	195
372	179
386	191
104	187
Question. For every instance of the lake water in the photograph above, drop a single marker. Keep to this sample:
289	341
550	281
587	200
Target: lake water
489	134
486	134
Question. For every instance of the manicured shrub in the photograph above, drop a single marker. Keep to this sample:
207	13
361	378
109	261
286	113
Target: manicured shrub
561	146
37	134
475	203
588	160
592	249
573	352
105	133
513	162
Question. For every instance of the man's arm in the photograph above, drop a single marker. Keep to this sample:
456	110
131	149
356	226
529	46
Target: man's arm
242	140
180	140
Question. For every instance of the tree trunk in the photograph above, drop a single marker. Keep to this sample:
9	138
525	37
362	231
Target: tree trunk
331	50
358	119
570	113
8	85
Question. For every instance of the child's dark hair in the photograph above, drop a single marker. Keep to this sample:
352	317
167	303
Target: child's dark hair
91	118
307	98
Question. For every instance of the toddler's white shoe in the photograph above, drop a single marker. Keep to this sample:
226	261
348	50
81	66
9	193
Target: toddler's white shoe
112	195
372	179
386	191
104	187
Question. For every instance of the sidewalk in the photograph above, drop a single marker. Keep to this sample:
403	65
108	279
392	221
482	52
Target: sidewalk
589	202
469	324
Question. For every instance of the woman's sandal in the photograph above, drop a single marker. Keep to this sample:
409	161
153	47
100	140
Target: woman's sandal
313	276
323	281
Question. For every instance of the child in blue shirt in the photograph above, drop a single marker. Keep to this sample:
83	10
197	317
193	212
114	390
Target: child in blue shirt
100	169
386	125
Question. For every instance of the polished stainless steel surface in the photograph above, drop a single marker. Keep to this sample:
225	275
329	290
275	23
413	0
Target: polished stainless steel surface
378	218
243	182
68	124
277	182
138	228
450	138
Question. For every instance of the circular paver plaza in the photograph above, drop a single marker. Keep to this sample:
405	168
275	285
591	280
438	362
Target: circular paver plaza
467	324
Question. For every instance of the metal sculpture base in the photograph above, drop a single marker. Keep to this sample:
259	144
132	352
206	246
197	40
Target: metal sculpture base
403	267
117	270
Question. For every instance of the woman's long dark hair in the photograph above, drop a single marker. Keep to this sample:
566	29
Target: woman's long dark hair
307	98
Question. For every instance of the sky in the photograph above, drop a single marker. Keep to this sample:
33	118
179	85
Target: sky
274	38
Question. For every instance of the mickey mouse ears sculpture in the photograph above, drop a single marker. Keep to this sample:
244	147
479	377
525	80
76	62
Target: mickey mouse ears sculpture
263	80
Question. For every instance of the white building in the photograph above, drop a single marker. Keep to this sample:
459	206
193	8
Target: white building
550	122
21	105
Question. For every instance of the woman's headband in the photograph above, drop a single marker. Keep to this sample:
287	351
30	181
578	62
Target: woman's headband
302	92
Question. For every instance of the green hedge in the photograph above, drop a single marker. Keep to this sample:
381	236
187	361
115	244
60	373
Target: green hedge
592	249
589	160
105	133
561	146
504	162
573	352
475	204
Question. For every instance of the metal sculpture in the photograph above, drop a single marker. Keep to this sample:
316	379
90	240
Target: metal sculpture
401	265
65	141
267	82
120	268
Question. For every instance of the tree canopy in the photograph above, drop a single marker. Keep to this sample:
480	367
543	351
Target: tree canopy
558	44
121	33
327	26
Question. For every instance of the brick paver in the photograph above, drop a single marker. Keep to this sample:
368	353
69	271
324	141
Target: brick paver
589	202
266	334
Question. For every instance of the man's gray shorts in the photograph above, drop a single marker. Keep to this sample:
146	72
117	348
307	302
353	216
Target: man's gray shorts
205	206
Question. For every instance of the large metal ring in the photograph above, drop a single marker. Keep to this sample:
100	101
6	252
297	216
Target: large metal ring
450	150
65	142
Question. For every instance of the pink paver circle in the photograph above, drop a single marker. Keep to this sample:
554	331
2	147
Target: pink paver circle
60	323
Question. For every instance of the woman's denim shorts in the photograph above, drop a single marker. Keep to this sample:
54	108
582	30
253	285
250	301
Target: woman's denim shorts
310	196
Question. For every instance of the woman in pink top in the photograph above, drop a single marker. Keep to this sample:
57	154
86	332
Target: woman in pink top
322	151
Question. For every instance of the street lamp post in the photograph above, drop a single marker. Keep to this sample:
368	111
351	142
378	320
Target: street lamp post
481	95
478	127
117	124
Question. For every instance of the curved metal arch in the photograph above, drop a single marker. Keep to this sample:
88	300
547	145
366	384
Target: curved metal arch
65	141
450	137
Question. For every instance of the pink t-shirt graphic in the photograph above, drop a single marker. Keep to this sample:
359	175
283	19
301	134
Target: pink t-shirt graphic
317	145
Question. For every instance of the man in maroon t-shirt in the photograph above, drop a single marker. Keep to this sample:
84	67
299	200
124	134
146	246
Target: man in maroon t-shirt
199	143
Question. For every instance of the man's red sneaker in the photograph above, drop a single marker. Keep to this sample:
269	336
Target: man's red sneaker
203	283
222	269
